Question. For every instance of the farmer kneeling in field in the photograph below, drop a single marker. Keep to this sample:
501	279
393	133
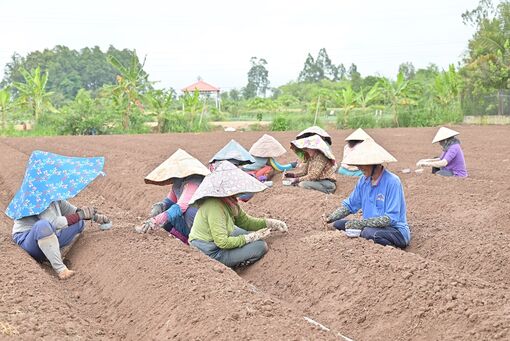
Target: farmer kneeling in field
358	136
319	165
44	222
451	162
174	213
315	130
222	230
265	150
234	153
379	194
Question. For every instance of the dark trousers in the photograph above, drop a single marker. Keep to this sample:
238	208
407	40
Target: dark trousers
380	235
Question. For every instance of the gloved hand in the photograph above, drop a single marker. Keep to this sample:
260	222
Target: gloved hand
274	224
290	175
86	212
100	218
339	213
147	226
158	208
294	164
294	181
257	235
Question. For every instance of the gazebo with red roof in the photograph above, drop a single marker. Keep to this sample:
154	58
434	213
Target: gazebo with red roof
204	89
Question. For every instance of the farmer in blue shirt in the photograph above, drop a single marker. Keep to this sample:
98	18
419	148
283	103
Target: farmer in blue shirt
379	195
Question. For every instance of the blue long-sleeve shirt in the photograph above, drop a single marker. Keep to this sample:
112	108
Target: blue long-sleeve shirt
386	198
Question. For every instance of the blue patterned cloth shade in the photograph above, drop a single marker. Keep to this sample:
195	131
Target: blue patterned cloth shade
50	177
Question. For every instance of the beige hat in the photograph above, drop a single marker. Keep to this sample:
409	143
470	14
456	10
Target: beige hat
358	135
225	181
315	130
179	165
443	133
267	146
368	152
314	142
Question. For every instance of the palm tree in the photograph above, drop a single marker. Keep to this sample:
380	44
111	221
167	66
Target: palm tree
33	94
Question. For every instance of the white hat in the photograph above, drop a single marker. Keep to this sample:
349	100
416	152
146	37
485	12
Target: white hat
179	165
225	181
267	146
368	152
443	133
315	130
314	142
358	135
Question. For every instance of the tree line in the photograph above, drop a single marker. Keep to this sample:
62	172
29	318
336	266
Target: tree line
65	91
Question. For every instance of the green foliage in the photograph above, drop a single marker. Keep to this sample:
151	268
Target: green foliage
258	79
70	70
289	121
32	93
5	104
320	69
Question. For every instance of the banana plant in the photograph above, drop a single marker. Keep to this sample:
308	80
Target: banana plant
131	82
397	93
33	94
5	103
348	102
365	99
159	102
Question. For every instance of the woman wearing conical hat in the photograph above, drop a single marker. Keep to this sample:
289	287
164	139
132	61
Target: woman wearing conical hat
175	214
265	150
45	223
379	194
315	130
222	230
319	166
234	153
358	136
451	162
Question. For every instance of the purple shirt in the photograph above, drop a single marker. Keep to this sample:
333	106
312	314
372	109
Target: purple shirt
455	158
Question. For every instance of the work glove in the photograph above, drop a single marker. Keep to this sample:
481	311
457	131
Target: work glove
158	208
294	164
147	226
294	181
257	235
100	218
86	212
274	224
339	213
290	175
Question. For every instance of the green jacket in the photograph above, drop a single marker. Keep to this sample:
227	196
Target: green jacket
215	222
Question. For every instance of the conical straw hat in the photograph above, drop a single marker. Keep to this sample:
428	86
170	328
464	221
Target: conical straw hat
179	165
315	130
368	152
358	135
314	142
225	181
267	146
443	133
233	151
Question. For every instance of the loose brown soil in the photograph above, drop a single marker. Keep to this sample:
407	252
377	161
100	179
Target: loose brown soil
452	283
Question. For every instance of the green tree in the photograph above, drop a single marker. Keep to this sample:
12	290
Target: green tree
32	93
258	78
354	76
5	103
407	70
348	100
366	98
160	102
132	81
397	93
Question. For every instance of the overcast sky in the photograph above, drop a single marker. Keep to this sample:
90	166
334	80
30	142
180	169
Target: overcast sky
216	39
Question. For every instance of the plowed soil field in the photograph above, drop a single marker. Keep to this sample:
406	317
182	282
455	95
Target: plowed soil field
452	283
